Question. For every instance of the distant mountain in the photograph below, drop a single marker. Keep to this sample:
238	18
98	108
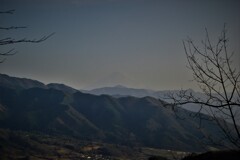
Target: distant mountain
123	91
126	120
120	90
110	80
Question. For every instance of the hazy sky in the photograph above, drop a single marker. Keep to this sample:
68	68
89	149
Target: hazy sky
137	43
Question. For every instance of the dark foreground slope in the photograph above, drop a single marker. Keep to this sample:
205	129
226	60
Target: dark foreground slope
215	155
127	121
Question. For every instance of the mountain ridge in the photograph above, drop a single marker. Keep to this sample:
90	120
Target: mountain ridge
128	120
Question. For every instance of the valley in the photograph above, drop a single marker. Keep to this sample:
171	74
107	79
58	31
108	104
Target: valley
35	146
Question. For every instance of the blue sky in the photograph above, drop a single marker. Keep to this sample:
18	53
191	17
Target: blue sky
137	43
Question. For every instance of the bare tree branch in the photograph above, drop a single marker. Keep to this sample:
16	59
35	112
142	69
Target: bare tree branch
7	41
12	27
218	80
10	40
8	11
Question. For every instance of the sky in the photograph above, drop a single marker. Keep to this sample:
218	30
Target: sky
136	43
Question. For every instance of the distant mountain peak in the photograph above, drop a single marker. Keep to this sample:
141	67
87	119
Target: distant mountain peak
120	86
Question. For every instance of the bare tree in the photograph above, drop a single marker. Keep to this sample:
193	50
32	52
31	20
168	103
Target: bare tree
10	40
213	70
